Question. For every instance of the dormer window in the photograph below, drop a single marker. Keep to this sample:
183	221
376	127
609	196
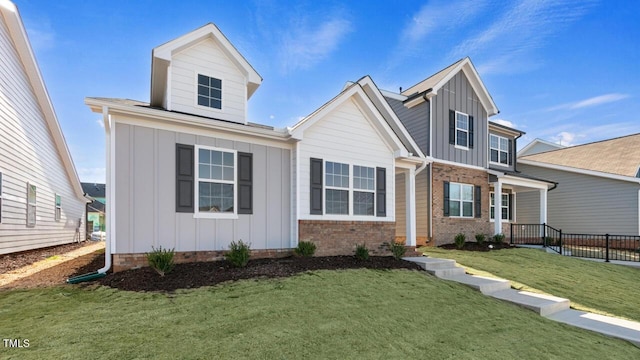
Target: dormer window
209	92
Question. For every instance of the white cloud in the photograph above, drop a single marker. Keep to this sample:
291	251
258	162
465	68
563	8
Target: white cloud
41	36
100	123
437	16
305	46
592	101
504	122
94	175
565	138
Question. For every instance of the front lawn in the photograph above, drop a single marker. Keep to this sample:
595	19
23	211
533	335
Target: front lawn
591	286
364	314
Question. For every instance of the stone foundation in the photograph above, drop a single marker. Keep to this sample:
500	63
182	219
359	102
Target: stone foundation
123	262
341	237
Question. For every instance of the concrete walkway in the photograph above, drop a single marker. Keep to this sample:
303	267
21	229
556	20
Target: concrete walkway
551	307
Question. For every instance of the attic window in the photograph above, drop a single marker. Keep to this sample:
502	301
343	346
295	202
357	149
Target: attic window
209	92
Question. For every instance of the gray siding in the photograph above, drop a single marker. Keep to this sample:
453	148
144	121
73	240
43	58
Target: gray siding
528	208
145	190
539	148
588	204
458	95
415	120
28	154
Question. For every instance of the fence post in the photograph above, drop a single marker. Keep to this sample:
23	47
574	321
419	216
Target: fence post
560	242
607	245
511	233
544	235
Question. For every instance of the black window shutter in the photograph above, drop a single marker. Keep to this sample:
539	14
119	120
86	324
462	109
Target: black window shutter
477	201
470	132
316	187
452	127
381	192
510	206
446	198
245	183
510	152
184	178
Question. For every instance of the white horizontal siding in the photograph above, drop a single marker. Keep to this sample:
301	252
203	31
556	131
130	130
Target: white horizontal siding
29	155
588	204
207	58
345	135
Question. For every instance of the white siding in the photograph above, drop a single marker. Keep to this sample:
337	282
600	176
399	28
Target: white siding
586	204
145	195
345	135
207	58
29	155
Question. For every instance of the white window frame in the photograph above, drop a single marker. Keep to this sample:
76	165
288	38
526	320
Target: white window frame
32	205
504	205
215	215
461	201
499	149
195	97
348	189
462	147
363	190
57	215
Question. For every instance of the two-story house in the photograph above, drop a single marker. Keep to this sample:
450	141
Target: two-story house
188	171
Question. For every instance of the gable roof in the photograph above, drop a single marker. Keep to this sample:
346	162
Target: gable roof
94	190
357	92
435	82
18	35
161	59
618	156
525	150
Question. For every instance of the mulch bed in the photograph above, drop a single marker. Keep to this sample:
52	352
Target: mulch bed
473	246
9	262
194	275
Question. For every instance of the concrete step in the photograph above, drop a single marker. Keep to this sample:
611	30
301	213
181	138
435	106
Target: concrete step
614	327
542	304
428	263
484	284
443	273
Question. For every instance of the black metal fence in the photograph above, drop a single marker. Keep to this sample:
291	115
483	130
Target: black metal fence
606	246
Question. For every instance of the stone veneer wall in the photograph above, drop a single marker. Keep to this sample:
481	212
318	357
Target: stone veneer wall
341	237
123	262
446	228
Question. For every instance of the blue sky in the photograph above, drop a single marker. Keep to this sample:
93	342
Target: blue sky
559	70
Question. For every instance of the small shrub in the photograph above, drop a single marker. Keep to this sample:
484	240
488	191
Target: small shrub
480	238
498	238
459	240
238	254
398	250
305	248
161	260
549	241
362	253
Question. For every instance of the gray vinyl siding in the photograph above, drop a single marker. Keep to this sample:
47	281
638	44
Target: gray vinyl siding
513	152
588	204
457	94
28	154
528	208
145	196
422	204
415	120
539	148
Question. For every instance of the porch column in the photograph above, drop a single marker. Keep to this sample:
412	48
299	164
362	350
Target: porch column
497	207
543	206
410	196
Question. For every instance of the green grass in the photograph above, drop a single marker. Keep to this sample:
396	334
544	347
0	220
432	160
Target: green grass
361	314
592	286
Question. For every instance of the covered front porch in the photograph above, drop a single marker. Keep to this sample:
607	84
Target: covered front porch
411	202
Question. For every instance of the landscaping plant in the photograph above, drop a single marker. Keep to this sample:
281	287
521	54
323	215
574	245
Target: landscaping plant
480	238
305	248
498	238
459	240
161	260
362	253
398	250
238	254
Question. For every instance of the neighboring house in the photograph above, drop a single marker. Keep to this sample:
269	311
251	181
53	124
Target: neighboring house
537	146
598	186
95	209
188	171
41	200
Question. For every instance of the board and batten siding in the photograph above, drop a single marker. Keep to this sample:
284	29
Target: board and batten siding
586	204
28	154
422	204
207	58
457	94
145	196
415	120
345	135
